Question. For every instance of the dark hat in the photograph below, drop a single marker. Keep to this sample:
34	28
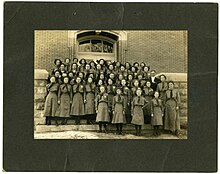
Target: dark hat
75	58
80	72
119	87
147	67
57	71
92	62
163	75
75	64
64	78
56	60
171	82
98	61
135	63
133	67
68	58
82	60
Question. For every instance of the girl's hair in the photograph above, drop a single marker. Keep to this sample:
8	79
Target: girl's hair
82	60
170	82
56	61
75	59
136	81
57	71
134	68
148	67
81	73
67	58
64	78
74	64
51	77
163	75
148	81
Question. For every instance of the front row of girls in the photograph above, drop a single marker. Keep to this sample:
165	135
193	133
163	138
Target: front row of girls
78	100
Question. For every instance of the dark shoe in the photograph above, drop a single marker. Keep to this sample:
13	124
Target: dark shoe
177	133
99	131
105	131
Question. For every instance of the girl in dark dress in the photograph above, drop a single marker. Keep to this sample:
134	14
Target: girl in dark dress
141	80
77	108
57	63
102	77
117	67
51	100
156	113
111	90
130	81
127	67
75	60
87	71
74	69
71	78
134	72
110	69
99	84
118	108
171	118
102	111
67	65
89	100
162	87
65	96
146	74
127	98
120	78
99	69
81	75
58	77
82	65
62	68
148	95
112	77
134	89
92	65
137	106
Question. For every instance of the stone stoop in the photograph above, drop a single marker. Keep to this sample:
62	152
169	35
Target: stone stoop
95	127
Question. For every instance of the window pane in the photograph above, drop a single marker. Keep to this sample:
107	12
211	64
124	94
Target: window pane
96	46
84	46
107	47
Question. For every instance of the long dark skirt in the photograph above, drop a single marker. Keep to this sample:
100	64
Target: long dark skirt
103	114
118	116
90	104
172	120
50	104
147	110
138	116
77	105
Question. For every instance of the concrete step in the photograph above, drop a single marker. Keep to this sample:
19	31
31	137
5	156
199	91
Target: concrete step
95	127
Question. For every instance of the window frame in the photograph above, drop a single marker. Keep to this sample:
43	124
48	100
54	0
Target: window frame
96	37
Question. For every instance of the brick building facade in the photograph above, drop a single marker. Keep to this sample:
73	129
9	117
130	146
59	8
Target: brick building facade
165	51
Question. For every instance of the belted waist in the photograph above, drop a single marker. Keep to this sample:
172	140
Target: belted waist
103	102
138	105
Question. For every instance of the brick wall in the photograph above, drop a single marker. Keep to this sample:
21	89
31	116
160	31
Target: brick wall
165	51
50	44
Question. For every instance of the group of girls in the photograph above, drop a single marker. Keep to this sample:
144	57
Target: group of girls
109	92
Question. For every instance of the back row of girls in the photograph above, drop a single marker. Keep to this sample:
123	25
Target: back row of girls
74	89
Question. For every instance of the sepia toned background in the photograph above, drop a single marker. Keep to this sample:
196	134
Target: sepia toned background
164	51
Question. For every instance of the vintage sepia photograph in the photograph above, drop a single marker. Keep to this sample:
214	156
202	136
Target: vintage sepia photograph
110	84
